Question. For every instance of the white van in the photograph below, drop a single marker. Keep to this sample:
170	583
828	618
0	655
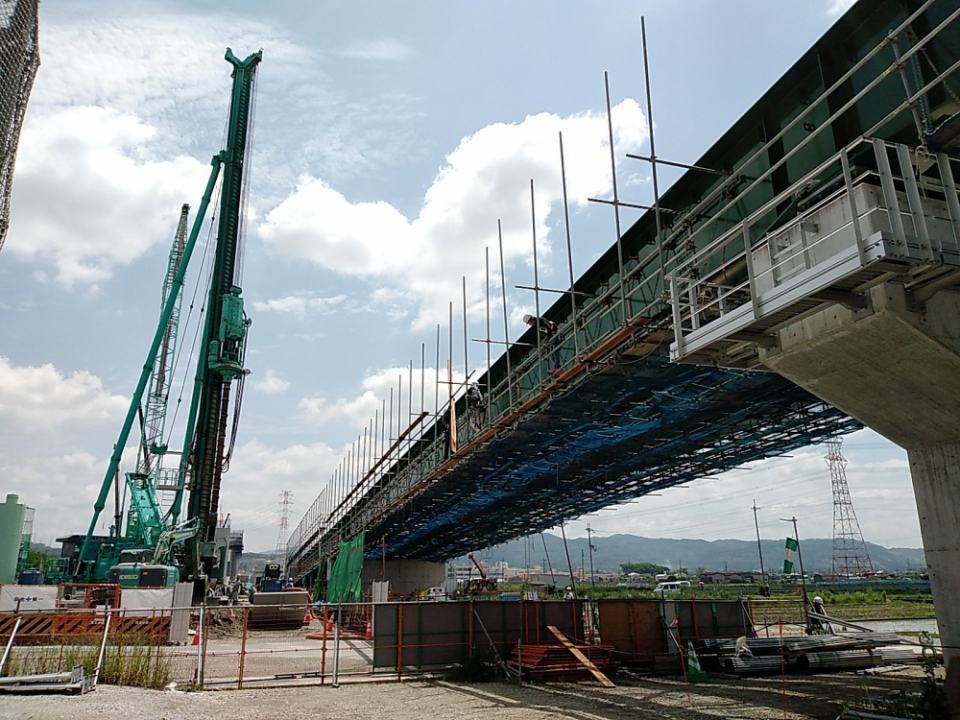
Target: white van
437	594
673	586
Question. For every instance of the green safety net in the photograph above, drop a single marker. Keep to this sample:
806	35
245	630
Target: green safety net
345	584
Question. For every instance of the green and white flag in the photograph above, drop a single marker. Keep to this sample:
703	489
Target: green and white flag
788	554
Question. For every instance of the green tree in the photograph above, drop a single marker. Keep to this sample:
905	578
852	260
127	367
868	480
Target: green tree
38	560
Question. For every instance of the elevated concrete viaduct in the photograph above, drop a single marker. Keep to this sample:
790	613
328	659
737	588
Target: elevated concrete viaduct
806	283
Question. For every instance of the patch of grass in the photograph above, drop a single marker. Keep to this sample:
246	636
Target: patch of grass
134	662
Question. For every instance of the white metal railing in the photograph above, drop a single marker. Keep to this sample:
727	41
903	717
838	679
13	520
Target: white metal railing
866	221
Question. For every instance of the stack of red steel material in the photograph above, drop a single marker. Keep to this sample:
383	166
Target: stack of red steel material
555	662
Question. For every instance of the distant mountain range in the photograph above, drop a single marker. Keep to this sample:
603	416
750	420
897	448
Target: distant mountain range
609	552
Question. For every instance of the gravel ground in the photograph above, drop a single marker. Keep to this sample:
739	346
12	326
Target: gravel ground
815	696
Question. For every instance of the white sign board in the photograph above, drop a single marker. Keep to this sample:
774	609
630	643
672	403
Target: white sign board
29	597
146	602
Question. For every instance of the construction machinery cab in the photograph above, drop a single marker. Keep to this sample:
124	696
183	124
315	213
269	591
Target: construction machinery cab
135	555
136	569
270	582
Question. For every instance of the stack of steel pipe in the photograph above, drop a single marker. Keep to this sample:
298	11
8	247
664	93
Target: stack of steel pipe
827	660
897	655
758	646
851	641
815	653
746	665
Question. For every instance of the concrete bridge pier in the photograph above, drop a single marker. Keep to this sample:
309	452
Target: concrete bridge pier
895	366
405	576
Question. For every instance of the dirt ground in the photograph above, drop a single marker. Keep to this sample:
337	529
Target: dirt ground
813	696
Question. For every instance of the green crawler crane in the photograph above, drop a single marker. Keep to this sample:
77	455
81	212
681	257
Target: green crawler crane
190	546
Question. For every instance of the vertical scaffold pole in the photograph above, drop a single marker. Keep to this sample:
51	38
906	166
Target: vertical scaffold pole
486	251
566	222
653	153
536	286
616	203
409	404
506	327
436	392
466	365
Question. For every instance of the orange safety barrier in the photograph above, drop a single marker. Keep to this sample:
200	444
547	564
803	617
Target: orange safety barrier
44	628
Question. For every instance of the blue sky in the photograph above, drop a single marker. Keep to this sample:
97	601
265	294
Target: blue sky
387	144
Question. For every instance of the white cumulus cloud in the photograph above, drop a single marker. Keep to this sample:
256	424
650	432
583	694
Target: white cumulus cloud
301	304
40	398
41	482
839	7
486	178
83	204
272	384
359	410
259	473
384	49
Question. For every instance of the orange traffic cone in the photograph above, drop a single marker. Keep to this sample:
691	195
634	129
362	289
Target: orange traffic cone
330	622
196	638
369	635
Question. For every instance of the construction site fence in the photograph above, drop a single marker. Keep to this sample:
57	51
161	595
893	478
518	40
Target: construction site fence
256	646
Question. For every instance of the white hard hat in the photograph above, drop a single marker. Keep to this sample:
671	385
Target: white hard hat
569	588
528	318
818	599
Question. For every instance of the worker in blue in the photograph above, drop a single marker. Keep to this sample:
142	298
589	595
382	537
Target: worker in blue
549	333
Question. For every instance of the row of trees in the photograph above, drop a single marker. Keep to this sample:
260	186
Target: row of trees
643	568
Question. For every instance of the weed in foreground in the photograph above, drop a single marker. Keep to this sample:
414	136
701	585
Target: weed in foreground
136	663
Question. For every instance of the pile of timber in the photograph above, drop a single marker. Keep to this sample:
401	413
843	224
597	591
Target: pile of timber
816	653
73	683
556	662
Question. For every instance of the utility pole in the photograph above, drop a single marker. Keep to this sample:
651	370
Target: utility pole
546	559
566	548
763	575
593	578
803	578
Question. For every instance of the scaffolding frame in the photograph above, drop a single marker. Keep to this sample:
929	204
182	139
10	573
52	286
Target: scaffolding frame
621	420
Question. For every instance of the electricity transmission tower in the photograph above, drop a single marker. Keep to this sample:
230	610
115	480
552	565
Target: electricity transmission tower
850	556
281	552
